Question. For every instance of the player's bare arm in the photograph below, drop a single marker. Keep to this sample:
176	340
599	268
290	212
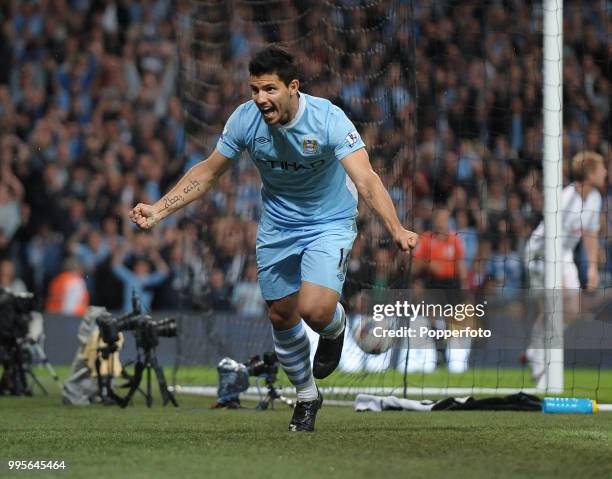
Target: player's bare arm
591	245
197	181
371	189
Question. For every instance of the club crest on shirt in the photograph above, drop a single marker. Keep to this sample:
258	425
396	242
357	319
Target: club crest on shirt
352	138
310	146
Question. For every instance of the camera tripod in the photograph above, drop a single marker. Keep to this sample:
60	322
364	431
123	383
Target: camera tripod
35	347
18	367
150	362
271	396
105	382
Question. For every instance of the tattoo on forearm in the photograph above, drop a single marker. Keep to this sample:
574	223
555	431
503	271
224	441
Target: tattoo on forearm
168	202
194	185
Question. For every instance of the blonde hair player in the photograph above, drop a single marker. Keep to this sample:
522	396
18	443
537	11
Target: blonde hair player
581	210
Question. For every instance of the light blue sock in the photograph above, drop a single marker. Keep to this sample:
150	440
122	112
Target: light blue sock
336	325
292	347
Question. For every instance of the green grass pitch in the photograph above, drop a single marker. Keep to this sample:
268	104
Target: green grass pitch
195	441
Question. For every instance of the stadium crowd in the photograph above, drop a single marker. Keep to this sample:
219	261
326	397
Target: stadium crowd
105	103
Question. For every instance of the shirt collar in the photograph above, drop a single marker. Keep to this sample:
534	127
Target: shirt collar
298	114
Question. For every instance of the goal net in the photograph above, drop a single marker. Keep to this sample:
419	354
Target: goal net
448	97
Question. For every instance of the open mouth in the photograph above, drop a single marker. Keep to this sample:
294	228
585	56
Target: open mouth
268	112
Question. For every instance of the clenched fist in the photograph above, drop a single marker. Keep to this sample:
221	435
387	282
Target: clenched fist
406	240
144	216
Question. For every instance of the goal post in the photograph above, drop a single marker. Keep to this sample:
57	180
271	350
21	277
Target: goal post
552	380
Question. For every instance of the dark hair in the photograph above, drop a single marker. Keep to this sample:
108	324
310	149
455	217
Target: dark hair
274	59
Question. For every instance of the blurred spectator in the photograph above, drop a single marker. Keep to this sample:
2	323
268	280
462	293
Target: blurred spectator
68	291
45	253
91	253
439	259
439	255
11	195
468	235
246	296
8	279
91	119
478	276
504	267
220	292
140	279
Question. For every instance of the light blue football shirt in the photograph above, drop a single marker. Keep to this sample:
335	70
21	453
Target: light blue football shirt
299	162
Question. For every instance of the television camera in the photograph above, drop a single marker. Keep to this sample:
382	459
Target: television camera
18	344
146	332
234	379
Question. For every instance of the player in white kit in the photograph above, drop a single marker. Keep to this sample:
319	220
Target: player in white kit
581	210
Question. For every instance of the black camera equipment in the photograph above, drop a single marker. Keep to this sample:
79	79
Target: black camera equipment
110	328
146	332
15	346
234	379
267	369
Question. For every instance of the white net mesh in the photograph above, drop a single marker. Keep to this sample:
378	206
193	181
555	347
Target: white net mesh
447	97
